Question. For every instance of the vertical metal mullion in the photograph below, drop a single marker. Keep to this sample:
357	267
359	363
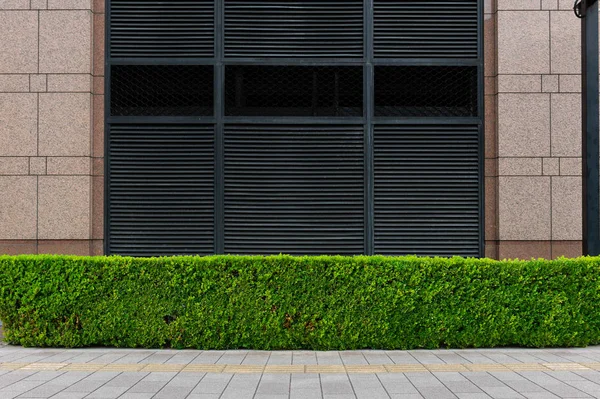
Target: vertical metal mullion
590	149
481	127
368	115
107	63
219	142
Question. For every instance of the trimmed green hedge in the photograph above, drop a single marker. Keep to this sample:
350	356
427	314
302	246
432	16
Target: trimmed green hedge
284	302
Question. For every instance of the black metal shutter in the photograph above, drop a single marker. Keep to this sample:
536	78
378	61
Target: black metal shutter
425	28
426	190
161	193
288	28
150	28
296	189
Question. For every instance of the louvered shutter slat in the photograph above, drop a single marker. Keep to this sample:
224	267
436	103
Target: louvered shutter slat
151	28
425	28
307	29
295	189
161	190
426	190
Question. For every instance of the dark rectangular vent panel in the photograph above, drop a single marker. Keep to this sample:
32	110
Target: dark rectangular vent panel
293	90
161	191
426	186
425	29
307	29
162	29
161	90
294	189
426	91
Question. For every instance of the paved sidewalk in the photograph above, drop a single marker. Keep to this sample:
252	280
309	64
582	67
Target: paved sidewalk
171	374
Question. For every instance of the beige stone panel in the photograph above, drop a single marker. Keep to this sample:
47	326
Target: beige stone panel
519	83
14	83
14	4
568	249
99	6
64	247
37	166
65	124
570	83
18	247
549	4
550	83
69	166
18	41
18	207
523	46
98	53
489	45
566	125
69	4
570	167
565	42
14	166
37	83
519	166
39	4
98	207
518	4
524	207
18	124
524	250
565	5
65	42
523	125
566	208
64	208
550	166
70	83
491	208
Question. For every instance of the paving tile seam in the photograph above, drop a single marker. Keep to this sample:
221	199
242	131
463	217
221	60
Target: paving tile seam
298	369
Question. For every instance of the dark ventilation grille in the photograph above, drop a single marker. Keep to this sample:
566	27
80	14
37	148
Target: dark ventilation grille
150	28
426	190
293	90
307	29
426	91
161	90
425	28
294	189
161	192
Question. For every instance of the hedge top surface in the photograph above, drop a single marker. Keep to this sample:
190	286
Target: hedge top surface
285	302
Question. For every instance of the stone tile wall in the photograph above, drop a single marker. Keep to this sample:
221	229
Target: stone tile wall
50	107
538	130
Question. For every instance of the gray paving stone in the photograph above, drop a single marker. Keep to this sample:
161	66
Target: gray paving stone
540	395
46	390
173	392
274	384
523	386
305	393
406	396
353	357
275	397
329	358
502	393
373	393
436	393
137	395
204	396
70	395
212	384
339	396
304	357
107	393
336	384
145	386
471	395
462	387
126	379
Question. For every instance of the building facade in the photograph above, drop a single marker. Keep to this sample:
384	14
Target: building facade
522	66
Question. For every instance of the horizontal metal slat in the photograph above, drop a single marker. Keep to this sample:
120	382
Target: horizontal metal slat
426	190
307	29
417	28
161	197
158	29
290	189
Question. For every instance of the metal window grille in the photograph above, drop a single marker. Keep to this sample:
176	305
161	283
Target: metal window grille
302	127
